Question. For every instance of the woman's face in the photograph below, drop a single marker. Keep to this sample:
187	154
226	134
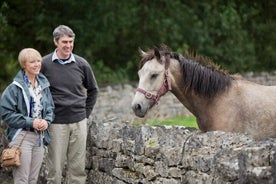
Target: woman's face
32	67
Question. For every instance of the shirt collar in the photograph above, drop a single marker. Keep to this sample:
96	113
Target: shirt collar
70	60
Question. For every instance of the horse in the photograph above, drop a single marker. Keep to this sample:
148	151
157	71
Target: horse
219	100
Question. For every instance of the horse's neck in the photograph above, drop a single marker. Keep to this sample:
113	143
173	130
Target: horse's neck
198	106
193	103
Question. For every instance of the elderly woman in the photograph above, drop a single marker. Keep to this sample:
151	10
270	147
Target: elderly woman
27	108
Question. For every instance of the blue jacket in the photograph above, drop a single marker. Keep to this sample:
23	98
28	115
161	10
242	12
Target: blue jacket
15	106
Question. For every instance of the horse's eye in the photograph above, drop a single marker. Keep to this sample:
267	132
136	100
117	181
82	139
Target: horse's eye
154	76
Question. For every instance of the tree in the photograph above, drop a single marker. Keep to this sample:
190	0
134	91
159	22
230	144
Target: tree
240	36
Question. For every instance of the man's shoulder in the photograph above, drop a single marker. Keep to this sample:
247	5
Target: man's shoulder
47	57
80	60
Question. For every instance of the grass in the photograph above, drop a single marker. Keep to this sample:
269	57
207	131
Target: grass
174	121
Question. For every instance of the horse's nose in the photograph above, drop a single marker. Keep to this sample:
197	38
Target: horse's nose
136	107
138	110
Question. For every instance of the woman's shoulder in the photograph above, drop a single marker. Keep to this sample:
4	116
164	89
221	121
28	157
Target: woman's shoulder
11	90
17	82
42	79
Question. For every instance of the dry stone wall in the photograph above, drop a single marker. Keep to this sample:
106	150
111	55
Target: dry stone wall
122	154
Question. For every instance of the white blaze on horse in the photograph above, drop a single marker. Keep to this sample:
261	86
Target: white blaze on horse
219	101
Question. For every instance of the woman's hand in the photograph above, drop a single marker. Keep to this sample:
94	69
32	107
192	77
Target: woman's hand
40	124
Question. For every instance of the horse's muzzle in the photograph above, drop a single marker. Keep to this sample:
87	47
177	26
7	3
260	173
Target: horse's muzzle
138	110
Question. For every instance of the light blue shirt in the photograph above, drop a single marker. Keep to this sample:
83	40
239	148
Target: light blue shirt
70	60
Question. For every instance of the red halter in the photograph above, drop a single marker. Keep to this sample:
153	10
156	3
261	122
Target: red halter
164	88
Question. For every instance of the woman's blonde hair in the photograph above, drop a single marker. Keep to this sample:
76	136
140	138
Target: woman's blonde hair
28	53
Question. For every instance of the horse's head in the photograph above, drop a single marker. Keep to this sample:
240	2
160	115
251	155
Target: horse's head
153	81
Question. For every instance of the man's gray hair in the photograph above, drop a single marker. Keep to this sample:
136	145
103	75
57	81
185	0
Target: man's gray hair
63	30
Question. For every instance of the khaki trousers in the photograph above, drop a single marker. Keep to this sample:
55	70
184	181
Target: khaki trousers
68	146
31	158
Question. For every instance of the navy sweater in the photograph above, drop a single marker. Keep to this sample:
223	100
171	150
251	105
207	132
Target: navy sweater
73	87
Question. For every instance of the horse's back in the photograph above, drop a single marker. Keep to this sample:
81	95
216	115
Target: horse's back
257	94
251	109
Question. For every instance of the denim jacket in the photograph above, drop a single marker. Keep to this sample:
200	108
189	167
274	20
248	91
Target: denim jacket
15	106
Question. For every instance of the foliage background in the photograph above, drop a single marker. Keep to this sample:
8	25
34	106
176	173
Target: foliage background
238	35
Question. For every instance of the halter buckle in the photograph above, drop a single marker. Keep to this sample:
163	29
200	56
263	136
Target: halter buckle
148	95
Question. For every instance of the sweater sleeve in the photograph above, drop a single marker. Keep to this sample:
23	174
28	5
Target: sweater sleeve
91	86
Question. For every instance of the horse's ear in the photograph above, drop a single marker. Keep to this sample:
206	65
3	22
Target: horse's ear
157	53
142	53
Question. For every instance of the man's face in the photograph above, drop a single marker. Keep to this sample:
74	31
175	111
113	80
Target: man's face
65	45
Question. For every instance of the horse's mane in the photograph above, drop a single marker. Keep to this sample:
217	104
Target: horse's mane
200	74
